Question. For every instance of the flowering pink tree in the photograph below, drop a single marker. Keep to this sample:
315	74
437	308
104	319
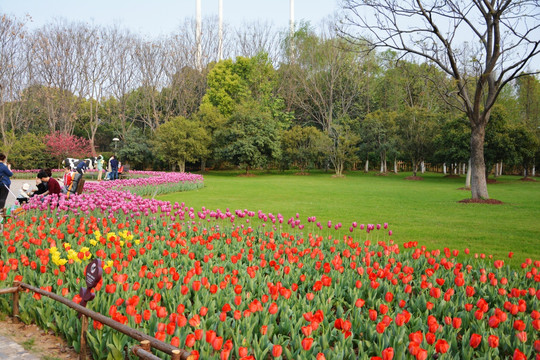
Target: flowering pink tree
61	146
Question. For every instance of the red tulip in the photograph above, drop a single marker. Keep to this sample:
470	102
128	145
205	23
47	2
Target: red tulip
430	338
416	337
242	351
519	325
372	314
190	340
273	308
276	350
522	336
518	355
475	340
494	321
217	343
422	354
442	346
160	336
307	343
493	341
388	354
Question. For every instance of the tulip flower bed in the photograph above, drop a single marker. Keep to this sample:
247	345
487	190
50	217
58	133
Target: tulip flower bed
246	285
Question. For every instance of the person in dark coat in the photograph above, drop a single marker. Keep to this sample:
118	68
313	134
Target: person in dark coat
5	174
114	168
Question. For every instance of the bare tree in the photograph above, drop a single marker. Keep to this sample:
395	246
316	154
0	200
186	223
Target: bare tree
122	74
505	37
150	64
326	73
94	69
14	77
56	64
253	38
186	41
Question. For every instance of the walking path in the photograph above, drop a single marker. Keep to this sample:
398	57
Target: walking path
10	350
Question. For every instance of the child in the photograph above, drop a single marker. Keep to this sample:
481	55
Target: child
24	194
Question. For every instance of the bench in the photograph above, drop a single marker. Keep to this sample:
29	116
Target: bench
124	174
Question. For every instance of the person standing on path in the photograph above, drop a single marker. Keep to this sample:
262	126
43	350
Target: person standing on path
99	163
114	168
5	174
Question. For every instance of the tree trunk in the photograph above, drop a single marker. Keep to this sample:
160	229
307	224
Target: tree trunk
395	166
468	178
366	169
501	169
478	166
415	167
423	166
203	165
182	165
444	168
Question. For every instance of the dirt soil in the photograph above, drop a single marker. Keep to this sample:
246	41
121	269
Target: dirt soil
481	201
37	341
415	178
527	179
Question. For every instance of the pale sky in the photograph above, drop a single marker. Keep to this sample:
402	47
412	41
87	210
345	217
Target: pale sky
161	17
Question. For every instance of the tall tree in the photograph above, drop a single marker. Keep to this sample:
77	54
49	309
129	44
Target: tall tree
379	128
416	128
58	52
302	146
122	75
150	62
14	77
506	34
181	140
250	137
328	77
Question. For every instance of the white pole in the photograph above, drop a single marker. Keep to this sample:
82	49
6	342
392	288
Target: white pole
220	43
198	35
291	20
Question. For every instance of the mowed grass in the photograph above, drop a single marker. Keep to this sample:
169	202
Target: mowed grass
426	211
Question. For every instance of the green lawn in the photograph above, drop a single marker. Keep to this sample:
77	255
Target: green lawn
425	211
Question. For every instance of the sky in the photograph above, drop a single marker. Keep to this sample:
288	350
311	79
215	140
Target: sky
153	18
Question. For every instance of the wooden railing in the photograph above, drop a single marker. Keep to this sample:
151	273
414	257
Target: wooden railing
143	350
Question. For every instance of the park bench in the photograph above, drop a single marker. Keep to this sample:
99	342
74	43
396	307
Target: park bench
125	173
